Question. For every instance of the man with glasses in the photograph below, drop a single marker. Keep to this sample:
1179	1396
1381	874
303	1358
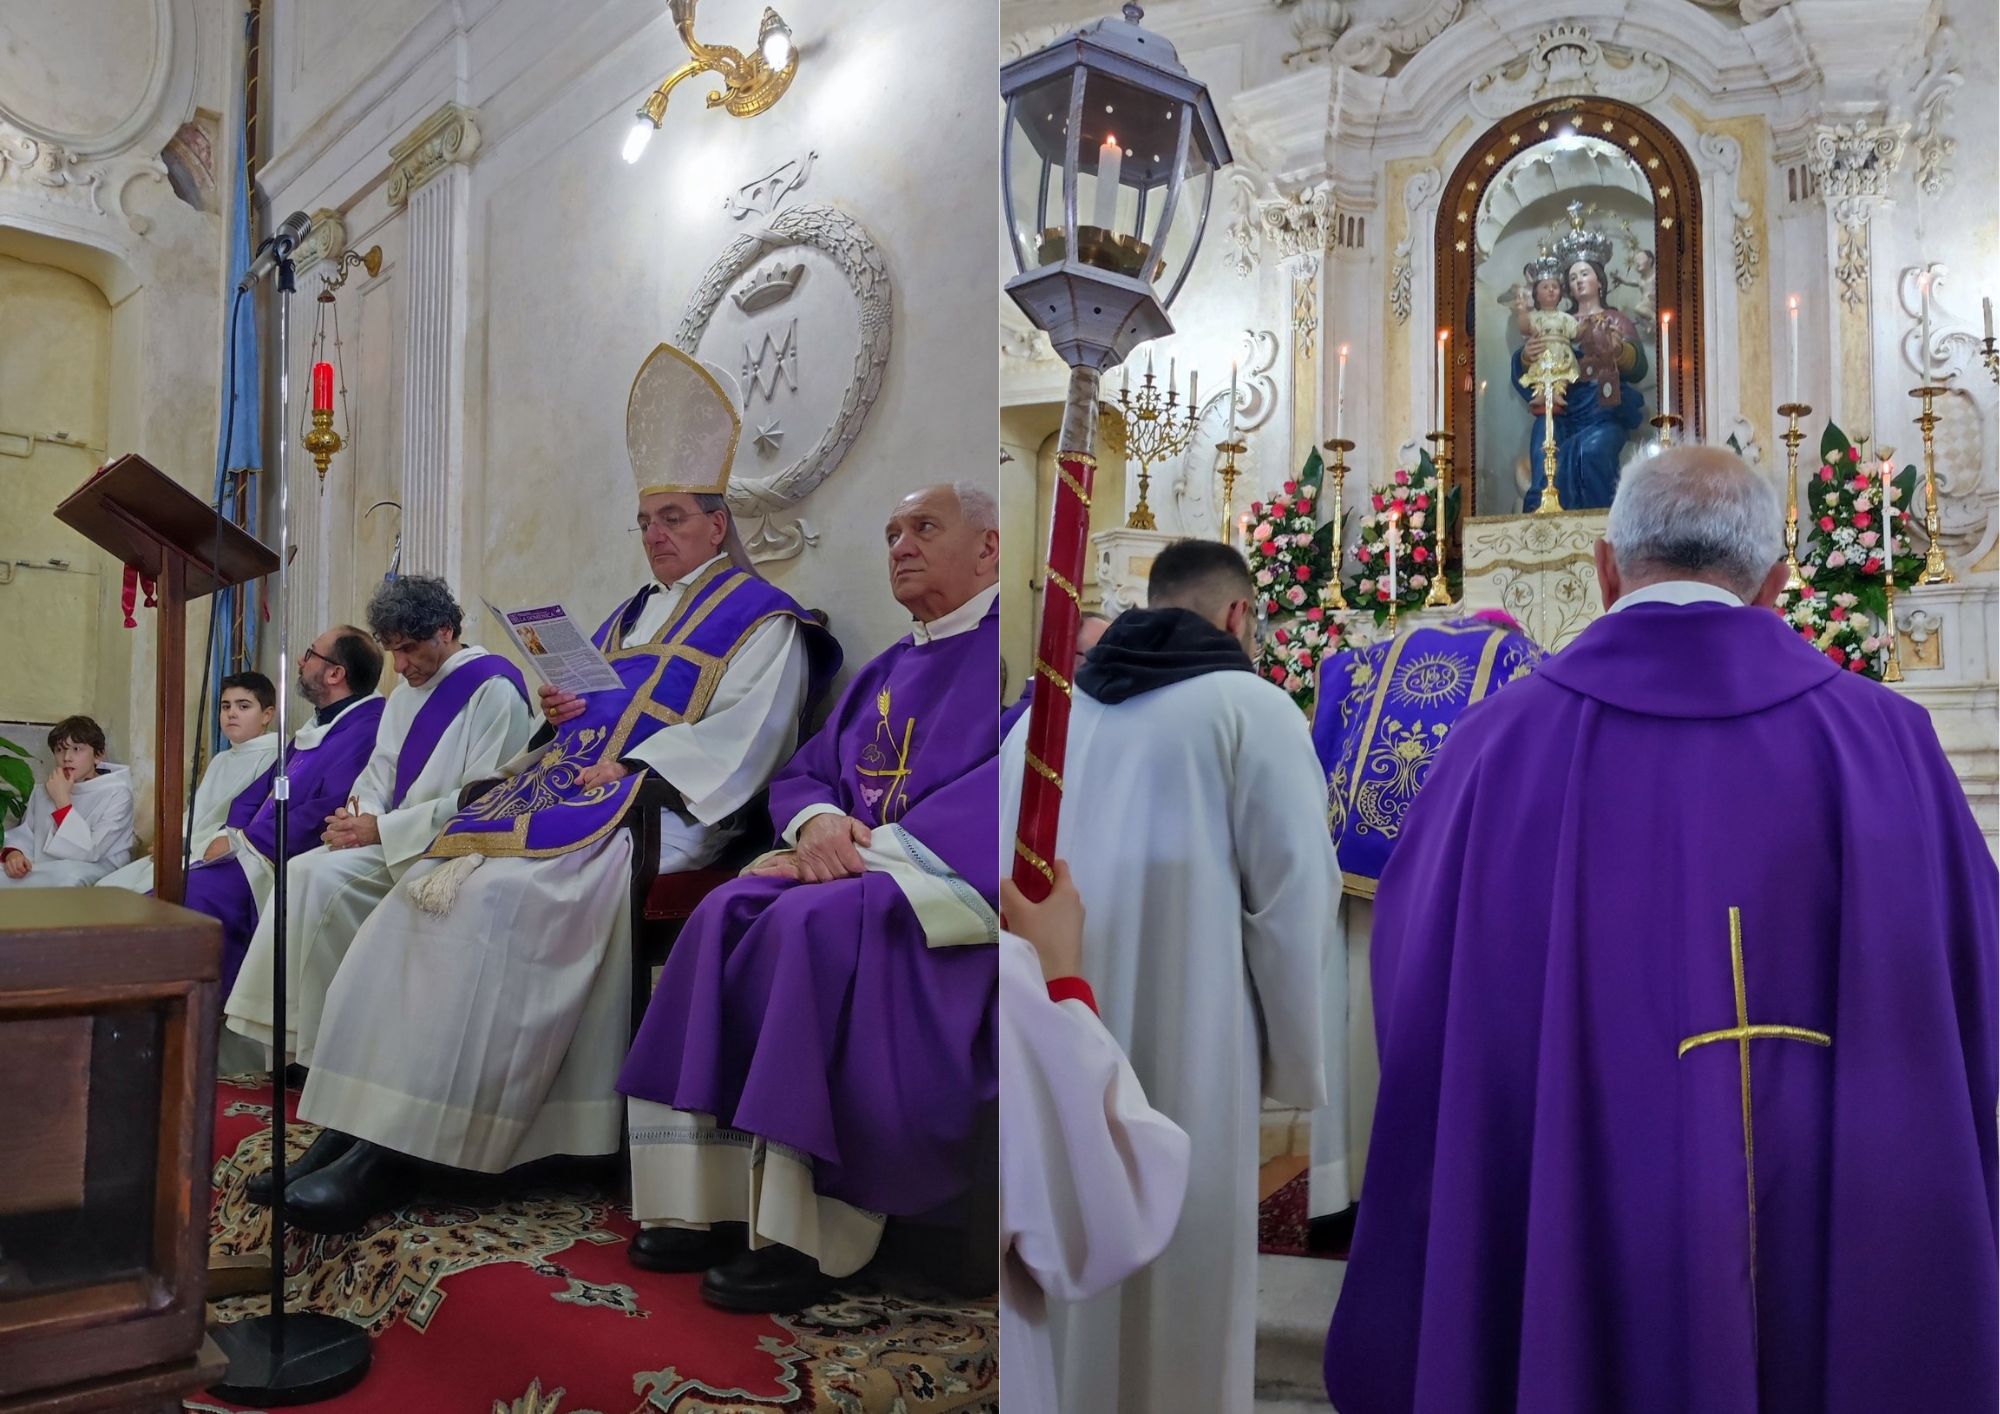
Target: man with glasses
337	675
480	1016
1193	824
460	712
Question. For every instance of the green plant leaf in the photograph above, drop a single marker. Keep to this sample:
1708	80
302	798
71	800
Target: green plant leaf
17	750
1312	471
1833	444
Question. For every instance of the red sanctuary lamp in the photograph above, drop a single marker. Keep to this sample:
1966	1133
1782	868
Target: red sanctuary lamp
1104	122
320	440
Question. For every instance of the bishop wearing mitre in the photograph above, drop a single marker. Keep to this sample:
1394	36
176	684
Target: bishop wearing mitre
479	1019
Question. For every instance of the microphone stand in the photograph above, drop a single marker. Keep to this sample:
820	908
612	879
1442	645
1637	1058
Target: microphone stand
300	1357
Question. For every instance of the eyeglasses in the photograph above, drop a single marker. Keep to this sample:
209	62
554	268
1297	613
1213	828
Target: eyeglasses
312	652
672	521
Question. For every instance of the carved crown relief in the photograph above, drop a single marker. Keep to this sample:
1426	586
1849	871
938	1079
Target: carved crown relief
800	308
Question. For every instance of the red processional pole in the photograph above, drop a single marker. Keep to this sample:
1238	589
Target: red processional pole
1062	615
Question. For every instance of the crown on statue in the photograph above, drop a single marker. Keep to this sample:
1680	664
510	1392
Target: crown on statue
1545	266
1578	243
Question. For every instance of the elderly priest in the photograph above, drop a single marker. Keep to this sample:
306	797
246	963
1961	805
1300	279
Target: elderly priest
822	1040
232	882
480	1017
1684	970
461	712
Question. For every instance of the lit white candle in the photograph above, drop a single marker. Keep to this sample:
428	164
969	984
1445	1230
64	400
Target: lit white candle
1232	400
1110	159
1194	380
1394	539
1793	303
1437	401
1341	389
1666	363
1888	513
1924	348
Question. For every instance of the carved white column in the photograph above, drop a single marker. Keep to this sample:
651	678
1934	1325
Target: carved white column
1854	163
1422	196
430	178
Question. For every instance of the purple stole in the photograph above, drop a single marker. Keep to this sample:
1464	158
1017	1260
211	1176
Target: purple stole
440	710
672	679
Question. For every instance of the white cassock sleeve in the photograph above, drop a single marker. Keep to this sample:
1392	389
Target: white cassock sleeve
719	763
97	829
1284	859
495	721
1091	1176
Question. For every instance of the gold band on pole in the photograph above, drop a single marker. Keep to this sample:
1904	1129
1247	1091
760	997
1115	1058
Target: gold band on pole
1035	861
1041	768
1053	676
1056	576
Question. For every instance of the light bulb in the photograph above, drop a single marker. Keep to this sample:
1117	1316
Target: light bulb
778	48
636	140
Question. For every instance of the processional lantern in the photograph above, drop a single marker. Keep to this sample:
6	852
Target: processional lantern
1107	168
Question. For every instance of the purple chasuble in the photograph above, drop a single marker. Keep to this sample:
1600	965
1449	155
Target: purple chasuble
322	776
814	1015
1384	710
544	811
440	710
1564	1190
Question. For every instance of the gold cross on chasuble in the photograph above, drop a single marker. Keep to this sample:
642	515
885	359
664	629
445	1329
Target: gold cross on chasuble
896	800
1743	1033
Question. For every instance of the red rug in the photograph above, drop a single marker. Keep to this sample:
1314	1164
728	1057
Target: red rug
1281	1223
528	1306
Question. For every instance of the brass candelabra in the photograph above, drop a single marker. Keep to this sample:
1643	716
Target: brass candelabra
1229	472
1156	427
1551	503
1935	570
1340	447
1792	436
1439	596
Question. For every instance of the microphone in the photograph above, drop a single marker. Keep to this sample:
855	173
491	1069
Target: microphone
283	241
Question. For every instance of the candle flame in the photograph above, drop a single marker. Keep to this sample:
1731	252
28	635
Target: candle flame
1343	353
1792	302
1443	335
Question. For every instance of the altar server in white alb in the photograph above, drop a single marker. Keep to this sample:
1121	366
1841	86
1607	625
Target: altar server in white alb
1194	819
459	714
1091	1176
235	783
481	1014
79	822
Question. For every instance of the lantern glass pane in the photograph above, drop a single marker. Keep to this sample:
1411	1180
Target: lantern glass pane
1177	244
1037	141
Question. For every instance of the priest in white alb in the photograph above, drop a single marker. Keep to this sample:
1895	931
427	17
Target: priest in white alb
481	1014
460	713
1194	820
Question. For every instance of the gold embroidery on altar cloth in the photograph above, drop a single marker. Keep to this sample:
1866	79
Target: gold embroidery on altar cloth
1743	1033
896	795
1429	679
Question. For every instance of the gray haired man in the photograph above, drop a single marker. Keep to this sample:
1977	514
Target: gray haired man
460	712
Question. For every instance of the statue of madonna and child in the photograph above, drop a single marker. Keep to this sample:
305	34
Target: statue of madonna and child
1592	353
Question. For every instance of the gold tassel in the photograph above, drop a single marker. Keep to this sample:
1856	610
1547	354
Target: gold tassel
437	891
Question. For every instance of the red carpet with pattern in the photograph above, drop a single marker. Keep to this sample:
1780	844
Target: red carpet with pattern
527	1306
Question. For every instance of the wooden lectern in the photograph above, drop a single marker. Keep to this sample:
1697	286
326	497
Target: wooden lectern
108	1007
149	521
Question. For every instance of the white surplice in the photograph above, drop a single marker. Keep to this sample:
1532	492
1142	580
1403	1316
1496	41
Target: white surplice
1091	1175
330	893
227	776
1194	823
492	1035
94	838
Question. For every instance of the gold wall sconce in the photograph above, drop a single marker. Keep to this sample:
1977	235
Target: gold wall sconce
751	82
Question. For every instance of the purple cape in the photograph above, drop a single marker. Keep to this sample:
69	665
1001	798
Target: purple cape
1558	1213
440	710
321	779
813	1015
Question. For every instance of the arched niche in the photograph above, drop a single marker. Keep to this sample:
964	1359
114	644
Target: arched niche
1517	177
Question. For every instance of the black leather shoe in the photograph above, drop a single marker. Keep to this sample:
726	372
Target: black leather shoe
330	1145
680	1249
366	1180
1332	1232
777	1280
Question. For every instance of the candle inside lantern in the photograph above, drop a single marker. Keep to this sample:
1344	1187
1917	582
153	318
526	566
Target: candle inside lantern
1792	302
1110	159
1341	397
1666	363
322	392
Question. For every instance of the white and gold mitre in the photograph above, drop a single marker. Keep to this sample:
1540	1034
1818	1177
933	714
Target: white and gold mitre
681	425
